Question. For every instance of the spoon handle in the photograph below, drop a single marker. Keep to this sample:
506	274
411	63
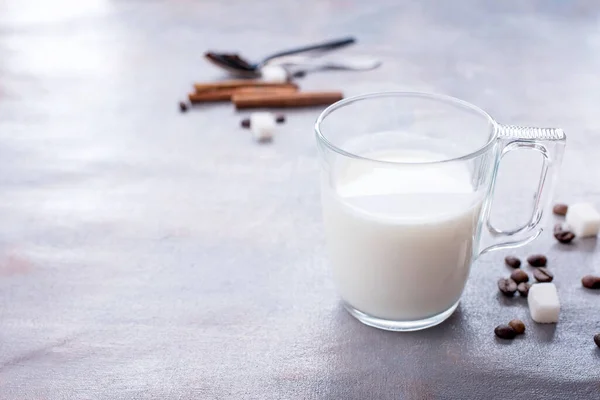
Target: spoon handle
330	45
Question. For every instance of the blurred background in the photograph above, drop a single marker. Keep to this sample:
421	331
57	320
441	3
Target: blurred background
148	253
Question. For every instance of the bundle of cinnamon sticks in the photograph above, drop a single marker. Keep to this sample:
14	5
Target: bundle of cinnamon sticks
246	93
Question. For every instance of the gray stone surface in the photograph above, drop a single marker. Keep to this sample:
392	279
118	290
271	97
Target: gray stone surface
146	254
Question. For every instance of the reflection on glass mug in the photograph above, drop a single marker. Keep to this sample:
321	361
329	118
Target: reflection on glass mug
407	189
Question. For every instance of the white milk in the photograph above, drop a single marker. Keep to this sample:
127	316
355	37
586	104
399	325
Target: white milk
401	238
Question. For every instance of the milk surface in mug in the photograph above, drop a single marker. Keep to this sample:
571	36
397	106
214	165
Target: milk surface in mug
401	236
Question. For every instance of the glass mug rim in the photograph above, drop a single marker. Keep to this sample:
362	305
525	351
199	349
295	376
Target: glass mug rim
423	95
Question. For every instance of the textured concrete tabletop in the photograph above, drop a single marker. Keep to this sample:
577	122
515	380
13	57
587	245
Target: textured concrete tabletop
148	254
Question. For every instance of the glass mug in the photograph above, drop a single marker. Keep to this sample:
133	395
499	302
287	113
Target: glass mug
407	182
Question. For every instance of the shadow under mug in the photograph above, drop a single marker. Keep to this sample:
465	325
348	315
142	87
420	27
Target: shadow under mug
407	185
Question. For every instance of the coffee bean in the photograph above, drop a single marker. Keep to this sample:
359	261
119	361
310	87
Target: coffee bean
280	118
542	274
245	123
508	287
518	275
518	326
512	261
562	235
597	339
560	209
183	107
505	332
537	260
591	281
523	288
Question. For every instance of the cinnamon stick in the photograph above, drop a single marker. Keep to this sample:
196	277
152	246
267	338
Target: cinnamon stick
215	95
266	90
239	83
226	94
293	99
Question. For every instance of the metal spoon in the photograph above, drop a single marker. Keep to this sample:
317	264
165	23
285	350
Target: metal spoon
239	66
309	64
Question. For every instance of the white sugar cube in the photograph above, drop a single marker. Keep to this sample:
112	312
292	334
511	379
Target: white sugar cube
274	73
543	303
583	219
262	125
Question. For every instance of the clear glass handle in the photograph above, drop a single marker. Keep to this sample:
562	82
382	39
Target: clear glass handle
550	143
